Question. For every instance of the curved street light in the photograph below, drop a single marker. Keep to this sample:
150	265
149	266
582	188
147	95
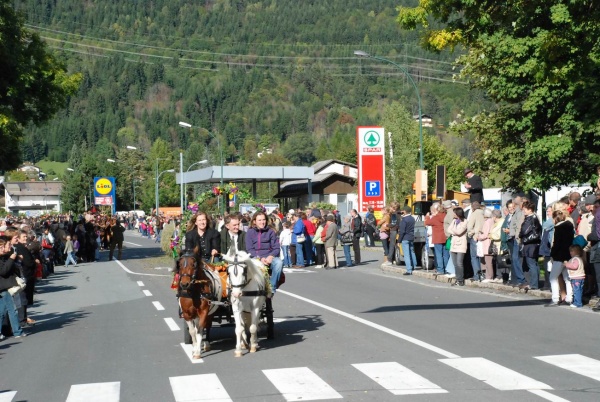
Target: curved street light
188	125
362	53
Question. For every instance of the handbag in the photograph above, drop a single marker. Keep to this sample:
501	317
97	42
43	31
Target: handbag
492	250
383	235
347	238
480	249
20	286
449	243
300	238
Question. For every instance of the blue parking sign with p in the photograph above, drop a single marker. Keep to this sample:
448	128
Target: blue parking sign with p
373	188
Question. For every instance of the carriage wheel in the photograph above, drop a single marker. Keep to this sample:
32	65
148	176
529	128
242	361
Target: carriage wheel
269	315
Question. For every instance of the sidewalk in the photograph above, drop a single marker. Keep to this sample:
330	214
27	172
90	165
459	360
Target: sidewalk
431	275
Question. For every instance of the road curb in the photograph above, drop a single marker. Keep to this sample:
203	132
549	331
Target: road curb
542	294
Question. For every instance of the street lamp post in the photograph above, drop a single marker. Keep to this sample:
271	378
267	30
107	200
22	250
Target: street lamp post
203	161
157	178
361	53
188	125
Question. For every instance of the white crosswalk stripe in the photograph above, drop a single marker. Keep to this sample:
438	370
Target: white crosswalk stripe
300	384
202	387
172	324
398	379
576	363
97	392
7	396
495	375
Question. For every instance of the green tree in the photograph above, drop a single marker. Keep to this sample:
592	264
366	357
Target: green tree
538	59
402	151
33	84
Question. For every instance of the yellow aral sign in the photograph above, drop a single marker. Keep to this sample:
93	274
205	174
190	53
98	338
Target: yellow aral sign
103	186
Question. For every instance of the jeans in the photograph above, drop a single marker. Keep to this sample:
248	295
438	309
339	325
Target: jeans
392	246
385	243
347	254
7	306
450	269
577	285
534	272
308	254
441	257
516	270
158	233
475	263
287	261
457	259
300	254
71	257
559	269
410	259
369	237
276	269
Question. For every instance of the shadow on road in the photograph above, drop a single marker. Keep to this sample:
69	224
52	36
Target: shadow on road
455	306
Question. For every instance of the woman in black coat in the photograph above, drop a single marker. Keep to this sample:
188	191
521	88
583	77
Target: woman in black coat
531	235
564	231
200	234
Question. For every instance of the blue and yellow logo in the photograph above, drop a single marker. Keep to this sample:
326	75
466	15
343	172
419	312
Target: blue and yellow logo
104	186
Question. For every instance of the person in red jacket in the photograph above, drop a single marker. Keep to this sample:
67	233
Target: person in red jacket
435	219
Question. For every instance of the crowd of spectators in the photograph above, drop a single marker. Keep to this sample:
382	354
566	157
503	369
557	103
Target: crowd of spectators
509	245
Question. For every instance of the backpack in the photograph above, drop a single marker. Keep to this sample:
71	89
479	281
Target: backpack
324	232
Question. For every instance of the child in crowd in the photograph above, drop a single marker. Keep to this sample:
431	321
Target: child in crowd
285	238
576	274
69	252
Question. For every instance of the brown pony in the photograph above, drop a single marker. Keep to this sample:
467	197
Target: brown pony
196	291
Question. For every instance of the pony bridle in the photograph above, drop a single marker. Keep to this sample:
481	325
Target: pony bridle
193	276
234	266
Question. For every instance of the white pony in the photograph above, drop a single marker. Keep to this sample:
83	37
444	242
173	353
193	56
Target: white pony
249	288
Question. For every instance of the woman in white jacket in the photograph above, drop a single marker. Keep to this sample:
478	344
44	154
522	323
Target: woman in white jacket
458	248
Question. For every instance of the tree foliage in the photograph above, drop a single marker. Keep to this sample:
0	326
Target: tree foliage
33	84
539	60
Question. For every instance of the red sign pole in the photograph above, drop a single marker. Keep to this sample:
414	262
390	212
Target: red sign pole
370	142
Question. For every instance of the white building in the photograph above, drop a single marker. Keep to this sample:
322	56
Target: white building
32	197
334	182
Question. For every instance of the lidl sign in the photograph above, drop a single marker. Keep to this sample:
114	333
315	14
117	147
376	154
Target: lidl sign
104	186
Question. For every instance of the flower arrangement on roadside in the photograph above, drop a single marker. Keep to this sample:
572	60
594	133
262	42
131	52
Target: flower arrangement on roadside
174	246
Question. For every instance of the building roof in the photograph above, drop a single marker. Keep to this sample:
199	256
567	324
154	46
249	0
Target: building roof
33	188
323	164
300	187
245	174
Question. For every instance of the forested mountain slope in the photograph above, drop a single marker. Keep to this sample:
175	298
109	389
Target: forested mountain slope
277	74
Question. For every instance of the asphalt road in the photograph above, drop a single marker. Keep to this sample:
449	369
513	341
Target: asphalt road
108	332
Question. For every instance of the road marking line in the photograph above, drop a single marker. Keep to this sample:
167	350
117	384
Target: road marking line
135	273
398	379
172	324
98	392
300	384
201	387
140	283
371	324
547	395
128	242
158	306
188	349
495	375
7	396
147	292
